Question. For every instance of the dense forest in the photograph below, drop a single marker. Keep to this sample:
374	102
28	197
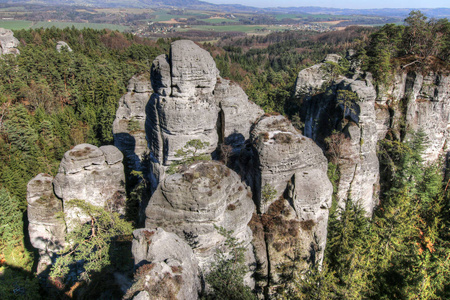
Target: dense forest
51	101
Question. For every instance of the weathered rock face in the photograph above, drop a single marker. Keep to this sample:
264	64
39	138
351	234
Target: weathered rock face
191	203
94	175
236	115
46	231
192	102
346	106
8	43
60	45
193	70
87	173
294	219
314	79
425	102
167	266
129	125
410	102
359	167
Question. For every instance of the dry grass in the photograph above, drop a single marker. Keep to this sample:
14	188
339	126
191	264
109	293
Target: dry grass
81	153
283	138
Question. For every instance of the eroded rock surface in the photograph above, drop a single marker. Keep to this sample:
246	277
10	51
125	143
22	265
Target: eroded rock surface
8	43
129	124
190	102
345	106
421	102
46	231
167	266
193	70
87	173
92	174
193	202
293	219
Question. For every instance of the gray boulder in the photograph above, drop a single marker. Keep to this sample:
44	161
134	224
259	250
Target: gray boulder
62	45
8	43
166	264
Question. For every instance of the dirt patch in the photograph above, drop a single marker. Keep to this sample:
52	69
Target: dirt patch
171	21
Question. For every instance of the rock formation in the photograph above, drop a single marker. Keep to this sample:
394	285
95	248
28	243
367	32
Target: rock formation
364	115
46	231
167	266
197	201
421	103
293	221
60	45
8	43
94	175
347	106
129	125
191	101
87	173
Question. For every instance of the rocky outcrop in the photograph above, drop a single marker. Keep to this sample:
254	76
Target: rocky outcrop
316	78
340	116
62	45
129	124
236	115
87	173
94	175
8	43
294	215
167	266
199	200
417	102
192	102
46	231
354	115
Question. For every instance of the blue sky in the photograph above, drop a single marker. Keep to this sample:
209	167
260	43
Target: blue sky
341	3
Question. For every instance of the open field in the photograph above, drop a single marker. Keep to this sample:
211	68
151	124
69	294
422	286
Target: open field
80	25
162	16
15	24
219	20
238	28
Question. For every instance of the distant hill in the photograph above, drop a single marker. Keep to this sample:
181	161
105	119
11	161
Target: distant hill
385	12
203	5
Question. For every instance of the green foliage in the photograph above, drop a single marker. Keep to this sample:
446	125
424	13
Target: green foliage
347	100
11	226
226	278
133	125
402	253
415	43
268	193
347	252
15	284
315	284
92	242
189	154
